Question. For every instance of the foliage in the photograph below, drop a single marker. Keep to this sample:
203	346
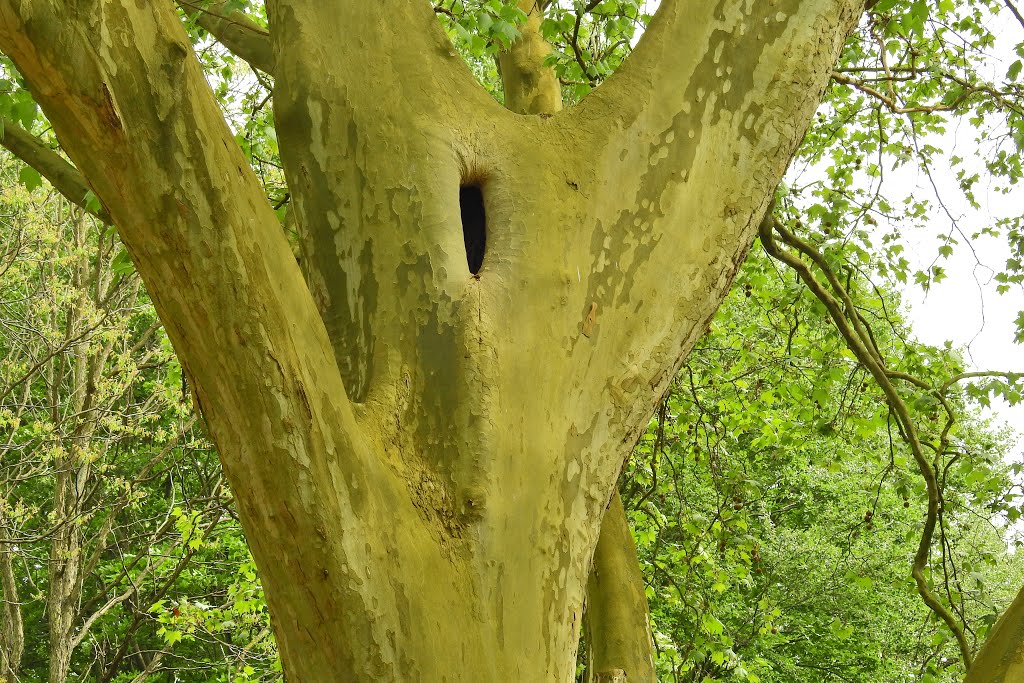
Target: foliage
775	457
112	509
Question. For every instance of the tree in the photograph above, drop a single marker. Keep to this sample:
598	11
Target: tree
758	467
422	446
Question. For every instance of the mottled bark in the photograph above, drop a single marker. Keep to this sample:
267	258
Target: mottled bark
422	456
1001	658
529	86
616	617
617	620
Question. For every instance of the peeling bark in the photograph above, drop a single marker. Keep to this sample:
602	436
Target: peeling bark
422	456
616	616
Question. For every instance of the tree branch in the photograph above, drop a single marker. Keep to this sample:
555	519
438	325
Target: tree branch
685	143
1016	13
64	177
859	340
530	87
235	31
707	57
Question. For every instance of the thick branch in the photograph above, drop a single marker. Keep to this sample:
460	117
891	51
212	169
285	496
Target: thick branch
617	622
64	177
235	31
530	86
406	67
676	155
691	50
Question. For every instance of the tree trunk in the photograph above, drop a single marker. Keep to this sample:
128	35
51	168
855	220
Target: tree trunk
64	585
616	614
421	455
1001	658
72	467
12	633
617	620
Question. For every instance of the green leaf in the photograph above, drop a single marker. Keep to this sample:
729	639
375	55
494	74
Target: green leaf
92	202
711	624
30	178
122	265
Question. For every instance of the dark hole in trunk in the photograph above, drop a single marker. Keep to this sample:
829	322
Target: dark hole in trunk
474	225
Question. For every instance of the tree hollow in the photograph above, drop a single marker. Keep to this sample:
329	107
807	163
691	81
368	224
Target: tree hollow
474	225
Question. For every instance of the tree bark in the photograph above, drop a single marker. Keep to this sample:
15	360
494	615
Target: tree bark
1001	658
616	615
617	618
65	581
421	455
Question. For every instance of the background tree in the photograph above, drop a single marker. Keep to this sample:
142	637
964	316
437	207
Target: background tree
110	502
775	455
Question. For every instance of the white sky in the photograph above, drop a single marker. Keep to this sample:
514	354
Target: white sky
965	308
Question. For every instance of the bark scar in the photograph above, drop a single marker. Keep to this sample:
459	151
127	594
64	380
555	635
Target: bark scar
109	110
591	320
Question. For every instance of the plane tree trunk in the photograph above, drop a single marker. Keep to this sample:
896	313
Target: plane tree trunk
421	442
1001	658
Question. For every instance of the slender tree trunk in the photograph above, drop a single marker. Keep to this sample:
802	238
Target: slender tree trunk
617	619
63	591
72	469
421	455
12	633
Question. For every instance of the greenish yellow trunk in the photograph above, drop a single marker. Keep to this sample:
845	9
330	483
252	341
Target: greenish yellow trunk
616	621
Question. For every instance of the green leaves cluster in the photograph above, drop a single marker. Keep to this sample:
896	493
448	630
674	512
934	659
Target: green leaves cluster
777	511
